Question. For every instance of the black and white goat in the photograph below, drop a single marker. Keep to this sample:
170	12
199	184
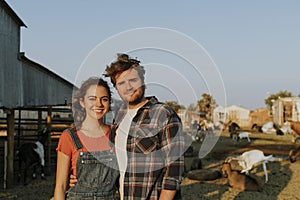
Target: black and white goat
32	154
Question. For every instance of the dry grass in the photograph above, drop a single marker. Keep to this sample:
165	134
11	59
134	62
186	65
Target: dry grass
284	177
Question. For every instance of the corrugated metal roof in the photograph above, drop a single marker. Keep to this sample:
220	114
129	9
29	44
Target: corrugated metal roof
12	13
38	66
41	87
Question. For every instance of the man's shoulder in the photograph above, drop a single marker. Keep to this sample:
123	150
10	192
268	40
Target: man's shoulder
155	104
164	109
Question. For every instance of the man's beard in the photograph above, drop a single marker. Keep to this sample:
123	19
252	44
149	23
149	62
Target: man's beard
139	98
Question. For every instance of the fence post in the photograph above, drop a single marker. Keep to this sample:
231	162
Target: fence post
10	142
5	164
48	154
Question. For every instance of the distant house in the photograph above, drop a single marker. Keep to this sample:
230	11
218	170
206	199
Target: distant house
188	118
239	115
285	109
219	114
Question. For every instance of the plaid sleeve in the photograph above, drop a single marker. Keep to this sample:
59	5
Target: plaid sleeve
173	146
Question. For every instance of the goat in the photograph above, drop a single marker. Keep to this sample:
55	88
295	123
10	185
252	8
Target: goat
32	154
244	135
252	158
233	127
268	128
278	130
257	127
294	153
295	127
238	180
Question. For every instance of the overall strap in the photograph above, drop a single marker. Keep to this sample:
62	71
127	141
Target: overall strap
75	138
112	135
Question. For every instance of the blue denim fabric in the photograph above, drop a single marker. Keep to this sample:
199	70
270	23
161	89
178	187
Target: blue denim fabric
97	174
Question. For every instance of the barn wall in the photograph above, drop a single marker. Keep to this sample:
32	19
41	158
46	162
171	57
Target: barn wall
22	81
41	87
9	64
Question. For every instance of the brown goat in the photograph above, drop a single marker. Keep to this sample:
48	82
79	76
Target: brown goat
238	180
294	153
295	126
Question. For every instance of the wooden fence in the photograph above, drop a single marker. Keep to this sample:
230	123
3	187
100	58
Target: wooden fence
27	123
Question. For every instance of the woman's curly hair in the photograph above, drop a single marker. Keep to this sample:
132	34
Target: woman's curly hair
123	63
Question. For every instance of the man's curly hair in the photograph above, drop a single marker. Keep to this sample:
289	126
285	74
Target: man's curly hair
123	63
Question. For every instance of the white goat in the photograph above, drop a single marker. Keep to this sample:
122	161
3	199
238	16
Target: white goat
245	135
252	158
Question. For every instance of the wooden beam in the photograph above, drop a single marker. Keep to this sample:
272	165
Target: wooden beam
10	144
48	153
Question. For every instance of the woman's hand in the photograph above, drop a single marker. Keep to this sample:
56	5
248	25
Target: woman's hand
73	180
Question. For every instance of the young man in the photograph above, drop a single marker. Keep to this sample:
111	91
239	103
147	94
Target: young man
148	137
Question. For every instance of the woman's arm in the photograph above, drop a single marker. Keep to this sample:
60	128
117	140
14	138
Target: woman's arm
167	194
62	174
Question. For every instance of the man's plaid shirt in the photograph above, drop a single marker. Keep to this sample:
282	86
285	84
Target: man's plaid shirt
155	148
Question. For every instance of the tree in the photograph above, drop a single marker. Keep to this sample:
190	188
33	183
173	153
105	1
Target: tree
282	93
207	104
174	105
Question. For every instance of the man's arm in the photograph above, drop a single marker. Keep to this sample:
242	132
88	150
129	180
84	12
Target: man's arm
173	146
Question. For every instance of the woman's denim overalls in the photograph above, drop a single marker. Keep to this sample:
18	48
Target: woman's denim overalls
97	174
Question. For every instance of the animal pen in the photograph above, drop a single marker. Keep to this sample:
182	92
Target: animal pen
27	123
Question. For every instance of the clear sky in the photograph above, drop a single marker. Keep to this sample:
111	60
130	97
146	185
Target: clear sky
255	45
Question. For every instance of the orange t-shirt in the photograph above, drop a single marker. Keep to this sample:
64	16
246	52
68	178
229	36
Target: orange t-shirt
67	146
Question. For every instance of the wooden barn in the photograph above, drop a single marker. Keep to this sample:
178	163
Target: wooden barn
24	84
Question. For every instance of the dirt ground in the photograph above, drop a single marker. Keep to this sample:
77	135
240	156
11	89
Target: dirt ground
283	181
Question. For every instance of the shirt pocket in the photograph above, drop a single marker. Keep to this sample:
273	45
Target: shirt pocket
146	145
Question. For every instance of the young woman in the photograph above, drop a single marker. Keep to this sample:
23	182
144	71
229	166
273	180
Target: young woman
84	150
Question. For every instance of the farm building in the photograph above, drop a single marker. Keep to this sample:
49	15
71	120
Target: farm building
285	109
24	86
218	114
188	118
261	116
239	115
